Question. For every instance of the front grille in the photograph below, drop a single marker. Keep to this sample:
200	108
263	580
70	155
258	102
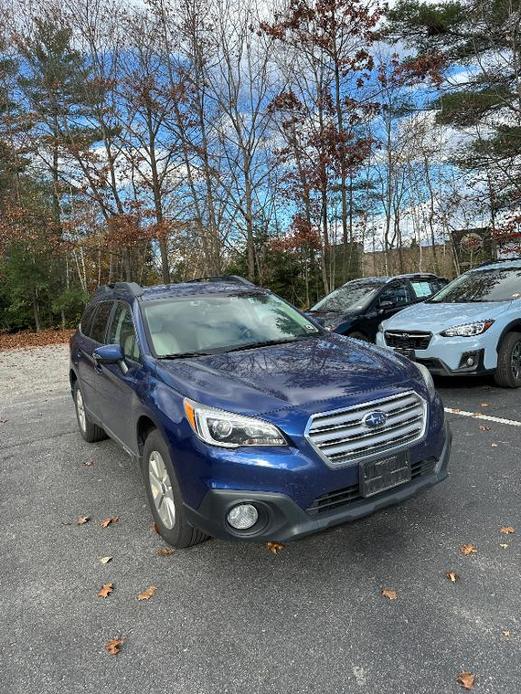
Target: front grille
349	495
341	436
407	340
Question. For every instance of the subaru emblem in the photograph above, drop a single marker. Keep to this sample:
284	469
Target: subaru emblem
375	419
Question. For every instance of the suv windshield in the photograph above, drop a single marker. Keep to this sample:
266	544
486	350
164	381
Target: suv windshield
499	284
351	294
191	326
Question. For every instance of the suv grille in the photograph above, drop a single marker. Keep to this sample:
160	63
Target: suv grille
407	340
348	495
341	436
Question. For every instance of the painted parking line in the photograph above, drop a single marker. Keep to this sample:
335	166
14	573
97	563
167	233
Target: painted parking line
486	417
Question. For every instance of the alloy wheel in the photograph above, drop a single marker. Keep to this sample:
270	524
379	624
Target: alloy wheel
161	488
515	361
80	409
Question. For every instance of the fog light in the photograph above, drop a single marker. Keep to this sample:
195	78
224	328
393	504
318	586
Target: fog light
243	516
470	361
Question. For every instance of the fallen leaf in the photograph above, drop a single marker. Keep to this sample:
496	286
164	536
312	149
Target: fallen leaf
114	646
484	404
389	593
81	520
105	590
109	521
507	530
504	545
493	445
274	547
484	428
506	633
88	463
164	551
105	560
27	338
466	680
468	549
452	576
155	528
147	593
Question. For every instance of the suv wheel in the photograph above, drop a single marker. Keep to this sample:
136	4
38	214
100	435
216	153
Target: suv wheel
91	432
508	372
164	495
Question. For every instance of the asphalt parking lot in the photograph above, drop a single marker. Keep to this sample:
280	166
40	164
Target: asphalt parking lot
234	617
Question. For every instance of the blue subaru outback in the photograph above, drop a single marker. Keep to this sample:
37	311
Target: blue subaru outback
249	420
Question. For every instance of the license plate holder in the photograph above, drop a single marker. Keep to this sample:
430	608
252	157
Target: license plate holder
379	475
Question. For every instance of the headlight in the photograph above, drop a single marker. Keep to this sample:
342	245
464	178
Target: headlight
229	430
426	375
468	329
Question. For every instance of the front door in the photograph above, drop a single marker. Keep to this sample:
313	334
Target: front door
120	384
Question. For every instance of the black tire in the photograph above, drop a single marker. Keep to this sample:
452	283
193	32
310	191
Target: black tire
91	432
359	336
508	371
180	534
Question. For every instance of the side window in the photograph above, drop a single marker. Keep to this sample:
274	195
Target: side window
121	331
99	324
86	319
397	295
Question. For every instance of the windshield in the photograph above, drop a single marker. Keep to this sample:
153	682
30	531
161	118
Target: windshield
210	324
500	284
350	295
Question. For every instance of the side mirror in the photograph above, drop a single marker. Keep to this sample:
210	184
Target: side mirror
108	354
384	305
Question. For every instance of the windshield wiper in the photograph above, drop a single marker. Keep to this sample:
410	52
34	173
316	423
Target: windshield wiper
269	343
183	355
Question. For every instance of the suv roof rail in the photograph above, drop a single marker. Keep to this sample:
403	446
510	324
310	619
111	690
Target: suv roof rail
224	278
132	288
415	274
498	260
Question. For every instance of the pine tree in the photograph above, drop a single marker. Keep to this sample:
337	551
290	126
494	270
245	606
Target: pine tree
479	41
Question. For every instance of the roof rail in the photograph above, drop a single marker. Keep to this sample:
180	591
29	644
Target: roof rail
132	288
498	260
224	278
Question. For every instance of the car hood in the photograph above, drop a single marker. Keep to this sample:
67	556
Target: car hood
317	370
437	317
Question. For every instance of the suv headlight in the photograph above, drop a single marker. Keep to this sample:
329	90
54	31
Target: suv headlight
220	428
468	329
426	375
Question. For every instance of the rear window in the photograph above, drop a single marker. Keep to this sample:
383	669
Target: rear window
99	323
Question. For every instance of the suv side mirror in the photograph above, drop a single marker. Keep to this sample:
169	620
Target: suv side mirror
385	304
108	354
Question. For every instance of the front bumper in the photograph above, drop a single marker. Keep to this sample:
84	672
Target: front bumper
447	356
282	519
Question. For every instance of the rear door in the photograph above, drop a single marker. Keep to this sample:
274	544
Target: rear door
120	384
92	334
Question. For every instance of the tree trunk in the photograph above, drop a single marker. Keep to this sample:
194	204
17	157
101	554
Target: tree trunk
36	312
